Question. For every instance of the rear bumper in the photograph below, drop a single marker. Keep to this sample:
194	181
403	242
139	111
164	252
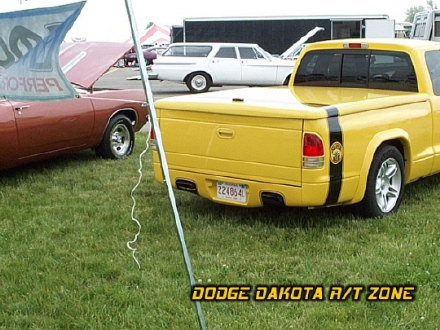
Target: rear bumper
307	195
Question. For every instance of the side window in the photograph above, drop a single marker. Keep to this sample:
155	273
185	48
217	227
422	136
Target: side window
319	69
433	63
258	54
392	71
188	51
226	52
247	53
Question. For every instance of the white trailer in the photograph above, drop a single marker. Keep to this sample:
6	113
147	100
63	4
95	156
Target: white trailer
276	34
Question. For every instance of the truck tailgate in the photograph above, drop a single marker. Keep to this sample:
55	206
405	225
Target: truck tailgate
229	143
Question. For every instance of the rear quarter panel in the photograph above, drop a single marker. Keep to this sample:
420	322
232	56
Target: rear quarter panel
409	123
109	103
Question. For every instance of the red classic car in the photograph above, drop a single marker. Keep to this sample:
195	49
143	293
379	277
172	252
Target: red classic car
102	120
150	54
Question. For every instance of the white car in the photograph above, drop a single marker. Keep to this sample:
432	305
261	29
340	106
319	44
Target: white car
202	65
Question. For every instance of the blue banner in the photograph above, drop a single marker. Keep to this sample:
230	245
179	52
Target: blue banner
29	46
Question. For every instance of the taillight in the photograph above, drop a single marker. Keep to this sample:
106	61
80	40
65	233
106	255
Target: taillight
312	146
313	151
153	139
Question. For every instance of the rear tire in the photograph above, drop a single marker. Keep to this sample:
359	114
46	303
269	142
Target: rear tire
118	139
198	82
385	183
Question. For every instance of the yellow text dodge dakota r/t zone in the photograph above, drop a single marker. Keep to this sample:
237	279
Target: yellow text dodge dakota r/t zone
359	120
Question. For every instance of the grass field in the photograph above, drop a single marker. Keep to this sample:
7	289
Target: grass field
64	262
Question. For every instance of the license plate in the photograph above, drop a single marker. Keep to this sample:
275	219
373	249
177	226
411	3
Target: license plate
231	191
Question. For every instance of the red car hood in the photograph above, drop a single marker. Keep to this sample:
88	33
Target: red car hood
84	63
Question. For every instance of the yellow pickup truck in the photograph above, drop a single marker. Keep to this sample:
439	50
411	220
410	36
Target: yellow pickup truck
358	120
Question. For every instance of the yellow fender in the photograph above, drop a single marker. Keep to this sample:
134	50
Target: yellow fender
379	139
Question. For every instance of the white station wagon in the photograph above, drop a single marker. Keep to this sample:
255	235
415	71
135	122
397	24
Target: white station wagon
202	65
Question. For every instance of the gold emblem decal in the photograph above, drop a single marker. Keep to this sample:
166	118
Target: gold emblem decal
336	152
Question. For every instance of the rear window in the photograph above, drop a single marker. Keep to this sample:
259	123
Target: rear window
361	69
188	51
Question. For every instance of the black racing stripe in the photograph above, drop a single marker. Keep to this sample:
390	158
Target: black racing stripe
335	169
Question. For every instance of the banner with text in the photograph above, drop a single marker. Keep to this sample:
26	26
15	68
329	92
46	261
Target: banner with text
29	46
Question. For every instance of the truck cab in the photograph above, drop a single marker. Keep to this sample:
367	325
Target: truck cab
426	26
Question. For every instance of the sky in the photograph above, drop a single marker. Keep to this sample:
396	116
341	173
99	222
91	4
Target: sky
106	20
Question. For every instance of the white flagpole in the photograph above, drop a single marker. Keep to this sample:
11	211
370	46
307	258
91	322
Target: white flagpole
162	156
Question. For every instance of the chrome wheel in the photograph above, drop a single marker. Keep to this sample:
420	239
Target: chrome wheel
388	185
198	82
120	140
385	183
